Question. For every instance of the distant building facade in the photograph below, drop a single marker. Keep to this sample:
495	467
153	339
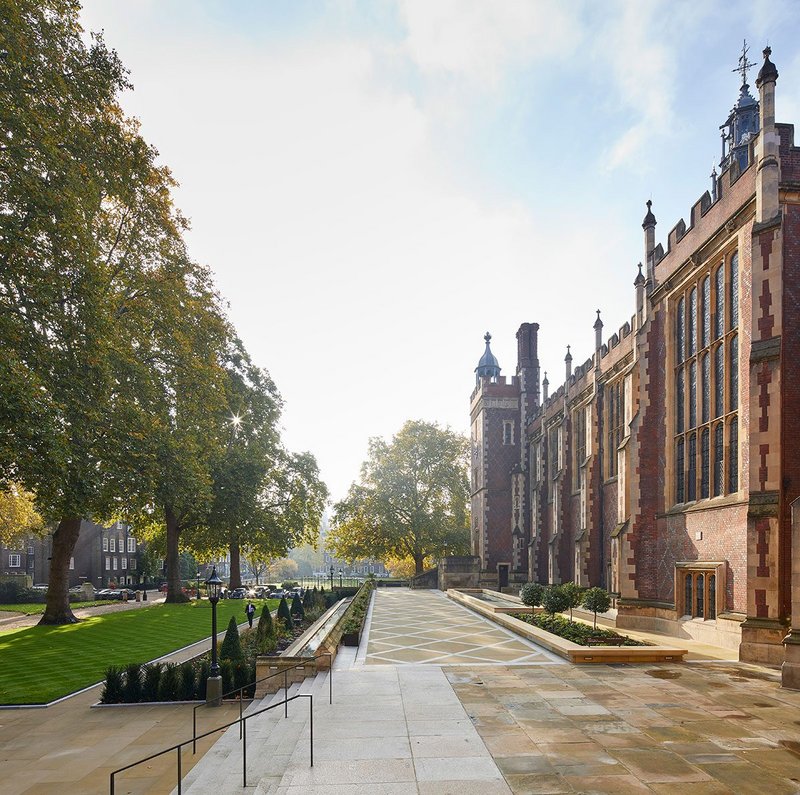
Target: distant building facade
664	466
102	555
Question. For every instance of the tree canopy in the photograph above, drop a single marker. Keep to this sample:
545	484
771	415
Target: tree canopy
121	378
411	499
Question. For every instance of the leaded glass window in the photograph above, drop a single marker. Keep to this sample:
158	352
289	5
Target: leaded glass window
699	595
733	457
691	480
719	461
706	381
687	595
712	597
704	464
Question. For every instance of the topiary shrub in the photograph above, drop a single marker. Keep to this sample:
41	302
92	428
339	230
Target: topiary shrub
133	683
203	672
573	594
265	629
308	598
531	594
231	648
241	674
188	682
597	600
297	607
113	689
284	614
226	672
169	685
554	600
151	676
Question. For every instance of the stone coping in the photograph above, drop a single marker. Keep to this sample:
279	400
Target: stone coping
515	603
570	651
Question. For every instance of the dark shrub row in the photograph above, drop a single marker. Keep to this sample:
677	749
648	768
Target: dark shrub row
172	682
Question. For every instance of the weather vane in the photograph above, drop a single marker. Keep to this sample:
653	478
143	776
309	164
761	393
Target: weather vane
744	64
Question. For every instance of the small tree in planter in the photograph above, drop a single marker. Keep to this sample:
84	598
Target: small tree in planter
133	683
231	648
265	631
114	688
152	675
597	600
554	600
573	595
284	614
297	607
531	594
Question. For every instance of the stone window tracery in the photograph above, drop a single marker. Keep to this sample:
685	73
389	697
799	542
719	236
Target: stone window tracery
706	383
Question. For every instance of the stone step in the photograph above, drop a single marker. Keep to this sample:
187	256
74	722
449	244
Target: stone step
271	740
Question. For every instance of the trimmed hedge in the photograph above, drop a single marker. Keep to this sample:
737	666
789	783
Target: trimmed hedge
572	630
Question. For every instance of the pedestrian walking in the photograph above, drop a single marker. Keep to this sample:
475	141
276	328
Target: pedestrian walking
251	611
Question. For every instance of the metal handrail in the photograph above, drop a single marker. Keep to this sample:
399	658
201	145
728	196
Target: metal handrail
242	721
240	691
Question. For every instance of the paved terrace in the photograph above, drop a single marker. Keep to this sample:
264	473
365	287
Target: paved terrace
438	700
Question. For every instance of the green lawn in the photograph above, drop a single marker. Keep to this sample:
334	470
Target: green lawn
37	608
40	664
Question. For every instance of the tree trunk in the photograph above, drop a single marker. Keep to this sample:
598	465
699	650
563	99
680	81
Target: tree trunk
57	610
174	591
235	566
419	560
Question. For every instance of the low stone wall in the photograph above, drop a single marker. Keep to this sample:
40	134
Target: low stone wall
311	662
459	572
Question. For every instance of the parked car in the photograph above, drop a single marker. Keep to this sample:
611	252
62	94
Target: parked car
105	593
260	592
278	593
239	593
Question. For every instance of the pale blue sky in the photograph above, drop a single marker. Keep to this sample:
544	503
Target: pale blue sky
376	184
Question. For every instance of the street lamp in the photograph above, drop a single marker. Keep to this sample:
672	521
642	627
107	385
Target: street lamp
198	585
340	578
331	577
214	684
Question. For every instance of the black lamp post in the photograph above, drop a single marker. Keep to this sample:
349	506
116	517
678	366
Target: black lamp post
331	577
340	577
214	686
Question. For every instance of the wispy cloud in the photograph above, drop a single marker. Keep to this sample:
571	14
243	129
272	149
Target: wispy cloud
480	41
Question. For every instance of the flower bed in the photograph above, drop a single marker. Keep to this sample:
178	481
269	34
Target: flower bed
575	631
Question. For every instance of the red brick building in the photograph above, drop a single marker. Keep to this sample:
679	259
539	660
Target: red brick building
664	465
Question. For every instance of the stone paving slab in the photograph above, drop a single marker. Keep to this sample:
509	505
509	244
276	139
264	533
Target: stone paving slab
425	627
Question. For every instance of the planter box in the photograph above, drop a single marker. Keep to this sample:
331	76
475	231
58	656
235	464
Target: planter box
351	639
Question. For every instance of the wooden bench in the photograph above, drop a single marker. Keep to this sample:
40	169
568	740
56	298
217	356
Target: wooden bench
620	641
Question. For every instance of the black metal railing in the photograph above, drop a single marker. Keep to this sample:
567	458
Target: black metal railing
242	721
240	691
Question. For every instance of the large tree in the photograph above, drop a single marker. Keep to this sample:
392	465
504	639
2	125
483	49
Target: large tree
411	500
83	209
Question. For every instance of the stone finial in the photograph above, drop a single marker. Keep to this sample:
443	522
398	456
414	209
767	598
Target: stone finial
568	357
768	72
598	324
649	219
639	276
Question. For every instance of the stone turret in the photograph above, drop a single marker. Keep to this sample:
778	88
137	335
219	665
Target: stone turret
768	173
488	366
